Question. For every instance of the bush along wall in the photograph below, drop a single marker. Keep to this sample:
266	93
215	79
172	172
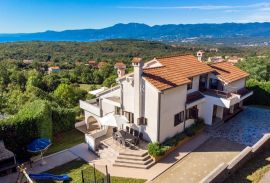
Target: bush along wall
156	149
32	121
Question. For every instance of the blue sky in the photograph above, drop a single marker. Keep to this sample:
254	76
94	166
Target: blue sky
41	15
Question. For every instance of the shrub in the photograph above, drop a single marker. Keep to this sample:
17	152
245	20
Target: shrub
155	149
32	121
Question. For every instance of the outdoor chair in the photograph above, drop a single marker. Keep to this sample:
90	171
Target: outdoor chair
141	136
114	137
114	129
127	129
131	131
136	133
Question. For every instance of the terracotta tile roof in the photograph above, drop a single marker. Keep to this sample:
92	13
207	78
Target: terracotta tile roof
101	64
228	73
55	67
136	60
120	65
92	62
175	71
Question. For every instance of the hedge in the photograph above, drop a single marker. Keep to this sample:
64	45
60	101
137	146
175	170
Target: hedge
63	119
32	121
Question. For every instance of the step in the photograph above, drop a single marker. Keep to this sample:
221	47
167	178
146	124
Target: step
134	165
133	161
136	154
139	158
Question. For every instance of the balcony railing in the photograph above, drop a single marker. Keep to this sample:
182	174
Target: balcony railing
91	106
242	92
218	93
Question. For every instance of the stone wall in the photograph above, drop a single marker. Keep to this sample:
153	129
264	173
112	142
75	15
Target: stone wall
224	170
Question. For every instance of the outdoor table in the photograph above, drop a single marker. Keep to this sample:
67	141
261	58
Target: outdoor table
127	136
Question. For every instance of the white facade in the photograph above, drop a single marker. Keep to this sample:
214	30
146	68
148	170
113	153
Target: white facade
137	97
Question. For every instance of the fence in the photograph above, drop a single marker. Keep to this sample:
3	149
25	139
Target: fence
224	170
92	175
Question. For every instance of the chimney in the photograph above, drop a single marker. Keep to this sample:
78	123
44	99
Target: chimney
200	55
137	78
121	67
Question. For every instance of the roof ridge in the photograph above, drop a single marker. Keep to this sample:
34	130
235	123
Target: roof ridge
176	55
152	68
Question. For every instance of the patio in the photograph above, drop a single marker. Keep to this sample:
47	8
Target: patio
247	127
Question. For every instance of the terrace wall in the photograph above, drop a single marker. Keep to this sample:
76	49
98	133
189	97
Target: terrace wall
224	170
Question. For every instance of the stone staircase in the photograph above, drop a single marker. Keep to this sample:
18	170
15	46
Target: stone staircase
126	157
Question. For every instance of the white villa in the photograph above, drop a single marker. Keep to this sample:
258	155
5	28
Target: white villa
165	95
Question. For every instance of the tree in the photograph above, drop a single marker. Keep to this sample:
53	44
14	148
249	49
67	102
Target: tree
51	82
68	95
110	81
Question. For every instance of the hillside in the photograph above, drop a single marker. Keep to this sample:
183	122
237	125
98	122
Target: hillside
167	33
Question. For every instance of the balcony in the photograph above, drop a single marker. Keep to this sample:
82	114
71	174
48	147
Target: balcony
91	106
218	93
227	98
244	93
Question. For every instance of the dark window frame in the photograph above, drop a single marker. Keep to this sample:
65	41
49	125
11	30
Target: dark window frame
179	118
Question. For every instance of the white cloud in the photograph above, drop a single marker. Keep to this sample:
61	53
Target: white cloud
258	6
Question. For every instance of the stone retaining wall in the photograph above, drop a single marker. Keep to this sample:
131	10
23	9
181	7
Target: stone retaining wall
224	170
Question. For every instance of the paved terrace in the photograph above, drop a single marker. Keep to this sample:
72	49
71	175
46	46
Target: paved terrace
247	127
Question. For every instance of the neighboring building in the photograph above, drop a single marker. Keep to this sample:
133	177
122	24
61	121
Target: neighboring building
216	59
101	64
55	69
92	63
234	59
166	95
27	62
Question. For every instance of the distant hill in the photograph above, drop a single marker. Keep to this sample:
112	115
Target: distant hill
181	32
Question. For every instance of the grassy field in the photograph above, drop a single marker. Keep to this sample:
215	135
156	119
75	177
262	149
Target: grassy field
253	170
65	140
74	168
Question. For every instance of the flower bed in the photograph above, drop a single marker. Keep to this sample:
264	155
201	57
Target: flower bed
159	151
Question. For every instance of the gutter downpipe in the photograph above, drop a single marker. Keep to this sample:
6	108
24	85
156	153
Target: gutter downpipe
158	122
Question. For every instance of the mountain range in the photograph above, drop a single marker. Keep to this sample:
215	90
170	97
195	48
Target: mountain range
170	32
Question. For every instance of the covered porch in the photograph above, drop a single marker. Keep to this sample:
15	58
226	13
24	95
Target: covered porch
223	114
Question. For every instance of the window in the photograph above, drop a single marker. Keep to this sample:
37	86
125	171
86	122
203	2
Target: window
178	118
117	110
189	85
129	116
192	113
142	121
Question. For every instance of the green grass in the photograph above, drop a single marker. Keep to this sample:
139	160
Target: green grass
65	140
74	168
87	87
253	170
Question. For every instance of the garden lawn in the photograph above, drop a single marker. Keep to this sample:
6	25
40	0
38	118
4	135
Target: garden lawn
65	140
253	170
74	168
